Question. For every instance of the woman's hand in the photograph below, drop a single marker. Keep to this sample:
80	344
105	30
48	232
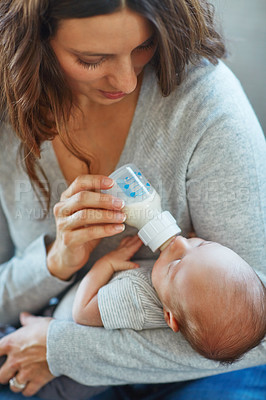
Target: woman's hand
26	355
83	216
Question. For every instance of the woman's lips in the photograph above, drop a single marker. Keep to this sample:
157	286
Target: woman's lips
113	95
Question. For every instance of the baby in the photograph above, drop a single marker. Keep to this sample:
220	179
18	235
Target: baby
202	289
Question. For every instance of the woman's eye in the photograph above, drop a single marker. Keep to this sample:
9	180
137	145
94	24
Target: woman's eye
147	46
89	65
93	65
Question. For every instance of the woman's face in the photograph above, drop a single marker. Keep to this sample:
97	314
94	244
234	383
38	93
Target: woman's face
102	56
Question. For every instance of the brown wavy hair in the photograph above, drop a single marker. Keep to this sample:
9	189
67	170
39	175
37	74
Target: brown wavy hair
34	96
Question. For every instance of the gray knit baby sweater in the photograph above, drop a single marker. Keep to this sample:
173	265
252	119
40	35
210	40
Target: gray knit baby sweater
129	300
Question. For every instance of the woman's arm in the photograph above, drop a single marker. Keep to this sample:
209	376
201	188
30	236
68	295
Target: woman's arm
125	356
25	282
85	308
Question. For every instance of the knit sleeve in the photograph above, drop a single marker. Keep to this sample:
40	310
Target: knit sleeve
25	281
120	305
129	301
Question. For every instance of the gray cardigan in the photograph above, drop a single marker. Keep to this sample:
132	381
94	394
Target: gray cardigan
203	150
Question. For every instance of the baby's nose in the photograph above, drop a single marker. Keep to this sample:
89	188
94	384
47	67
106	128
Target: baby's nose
179	246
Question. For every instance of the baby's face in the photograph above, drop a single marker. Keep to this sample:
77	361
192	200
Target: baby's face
184	266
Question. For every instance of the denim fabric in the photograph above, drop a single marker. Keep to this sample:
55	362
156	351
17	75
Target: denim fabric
6	394
246	384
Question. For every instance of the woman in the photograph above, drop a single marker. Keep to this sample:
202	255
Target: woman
88	86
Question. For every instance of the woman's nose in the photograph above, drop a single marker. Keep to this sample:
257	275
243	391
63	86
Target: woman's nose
123	77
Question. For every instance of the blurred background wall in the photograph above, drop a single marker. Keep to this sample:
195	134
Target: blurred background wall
243	23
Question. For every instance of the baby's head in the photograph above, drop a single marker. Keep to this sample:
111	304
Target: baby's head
212	296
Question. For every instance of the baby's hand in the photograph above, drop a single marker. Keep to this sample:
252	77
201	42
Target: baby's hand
119	258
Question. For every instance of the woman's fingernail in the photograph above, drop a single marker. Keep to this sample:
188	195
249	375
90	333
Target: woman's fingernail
119	228
118	203
121	217
108	182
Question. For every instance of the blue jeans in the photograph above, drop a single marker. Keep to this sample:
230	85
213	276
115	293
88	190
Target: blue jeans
246	384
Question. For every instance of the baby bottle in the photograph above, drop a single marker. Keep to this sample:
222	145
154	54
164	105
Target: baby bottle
143	207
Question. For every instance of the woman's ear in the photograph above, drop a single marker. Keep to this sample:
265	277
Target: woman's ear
170	320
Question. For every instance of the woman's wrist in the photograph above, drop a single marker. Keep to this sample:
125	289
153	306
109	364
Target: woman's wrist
55	265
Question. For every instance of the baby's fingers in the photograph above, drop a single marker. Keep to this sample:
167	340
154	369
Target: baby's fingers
124	265
130	244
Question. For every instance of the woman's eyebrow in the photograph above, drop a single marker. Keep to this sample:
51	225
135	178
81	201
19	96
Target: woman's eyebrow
91	53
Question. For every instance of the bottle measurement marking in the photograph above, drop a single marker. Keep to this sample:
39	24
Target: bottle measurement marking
135	185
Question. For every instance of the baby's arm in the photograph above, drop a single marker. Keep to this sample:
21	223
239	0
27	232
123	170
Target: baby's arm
85	308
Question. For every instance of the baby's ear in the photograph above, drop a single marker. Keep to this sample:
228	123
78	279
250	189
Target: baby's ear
170	320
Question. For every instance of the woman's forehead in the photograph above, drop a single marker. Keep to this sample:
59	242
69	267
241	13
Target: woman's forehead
115	31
